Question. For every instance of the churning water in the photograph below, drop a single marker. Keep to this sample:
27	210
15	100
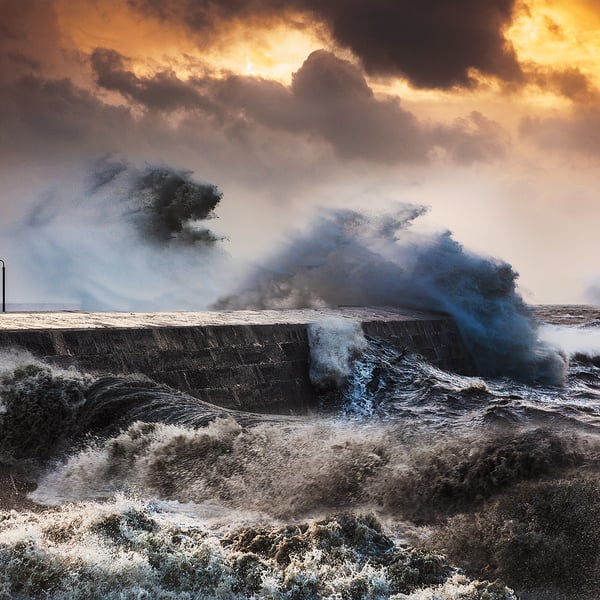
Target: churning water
410	482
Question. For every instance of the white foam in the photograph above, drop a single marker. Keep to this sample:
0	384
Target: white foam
334	342
572	340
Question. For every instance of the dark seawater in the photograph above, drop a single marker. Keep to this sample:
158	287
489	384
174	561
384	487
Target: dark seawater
408	482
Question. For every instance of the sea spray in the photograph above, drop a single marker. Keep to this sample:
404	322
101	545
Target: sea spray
572	341
155	215
301	470
348	257
334	342
281	470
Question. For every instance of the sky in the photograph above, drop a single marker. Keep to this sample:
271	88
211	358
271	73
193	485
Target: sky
487	113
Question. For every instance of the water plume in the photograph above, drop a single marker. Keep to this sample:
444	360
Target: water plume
334	343
124	237
347	257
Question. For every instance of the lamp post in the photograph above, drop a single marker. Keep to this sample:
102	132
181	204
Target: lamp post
3	286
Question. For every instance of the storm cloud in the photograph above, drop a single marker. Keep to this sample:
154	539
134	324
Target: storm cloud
162	91
434	44
329	99
54	118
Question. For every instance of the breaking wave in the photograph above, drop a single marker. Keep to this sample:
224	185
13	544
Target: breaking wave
494	504
352	258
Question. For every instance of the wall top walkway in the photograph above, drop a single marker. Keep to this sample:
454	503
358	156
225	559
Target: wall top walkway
22	321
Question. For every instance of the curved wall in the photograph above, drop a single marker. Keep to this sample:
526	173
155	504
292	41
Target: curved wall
249	360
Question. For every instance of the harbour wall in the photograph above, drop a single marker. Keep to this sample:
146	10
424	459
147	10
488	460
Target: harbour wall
247	360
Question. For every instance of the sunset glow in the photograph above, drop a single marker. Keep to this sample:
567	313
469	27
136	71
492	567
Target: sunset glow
553	35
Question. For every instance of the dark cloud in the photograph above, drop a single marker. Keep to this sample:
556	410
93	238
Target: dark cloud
162	91
13	18
212	17
578	133
44	114
261	100
328	99
46	117
433	43
325	76
29	37
22	60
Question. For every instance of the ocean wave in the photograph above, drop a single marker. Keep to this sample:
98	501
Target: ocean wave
455	495
298	470
46	412
348	257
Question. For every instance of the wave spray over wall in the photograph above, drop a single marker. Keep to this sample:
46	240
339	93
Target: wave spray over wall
348	257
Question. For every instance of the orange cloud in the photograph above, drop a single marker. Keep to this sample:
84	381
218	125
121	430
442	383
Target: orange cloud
271	50
560	36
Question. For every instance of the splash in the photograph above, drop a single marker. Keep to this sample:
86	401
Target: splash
351	258
142	236
303	469
173	205
573	341
334	343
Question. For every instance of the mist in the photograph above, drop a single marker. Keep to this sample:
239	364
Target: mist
121	237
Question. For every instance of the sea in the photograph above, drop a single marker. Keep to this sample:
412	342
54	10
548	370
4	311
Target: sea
406	482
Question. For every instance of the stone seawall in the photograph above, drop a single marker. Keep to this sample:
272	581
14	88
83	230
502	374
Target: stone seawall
249	360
